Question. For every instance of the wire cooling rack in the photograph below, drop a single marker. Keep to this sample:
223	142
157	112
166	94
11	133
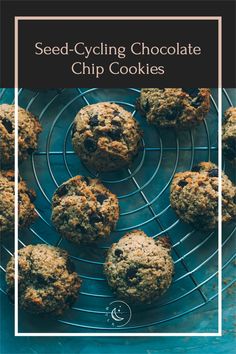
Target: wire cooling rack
143	192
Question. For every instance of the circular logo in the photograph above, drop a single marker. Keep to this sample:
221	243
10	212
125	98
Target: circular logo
118	313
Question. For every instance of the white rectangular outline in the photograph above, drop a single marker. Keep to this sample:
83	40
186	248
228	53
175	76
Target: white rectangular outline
143	334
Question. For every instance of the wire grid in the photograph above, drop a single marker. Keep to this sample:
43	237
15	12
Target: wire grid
143	193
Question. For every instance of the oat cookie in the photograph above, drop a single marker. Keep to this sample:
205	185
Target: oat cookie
84	210
229	135
27	213
138	268
105	136
47	280
29	129
194	196
174	107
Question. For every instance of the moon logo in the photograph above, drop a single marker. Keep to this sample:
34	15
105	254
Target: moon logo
115	315
118	313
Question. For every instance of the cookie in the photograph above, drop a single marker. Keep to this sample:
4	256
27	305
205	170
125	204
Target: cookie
26	196
229	135
105	136
29	129
174	107
138	268
194	196
47	280
83	210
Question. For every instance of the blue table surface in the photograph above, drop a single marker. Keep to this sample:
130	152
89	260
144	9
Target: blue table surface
159	345
138	345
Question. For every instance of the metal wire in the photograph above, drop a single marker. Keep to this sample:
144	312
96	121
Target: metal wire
191	286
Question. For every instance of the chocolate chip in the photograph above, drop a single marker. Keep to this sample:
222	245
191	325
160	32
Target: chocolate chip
80	229
90	144
196	102
94	218
116	113
85	180
116	122
131	273
115	134
11	178
62	190
196	168
41	280
182	183
101	198
118	252
193	92
8	125
213	173
174	113
94	121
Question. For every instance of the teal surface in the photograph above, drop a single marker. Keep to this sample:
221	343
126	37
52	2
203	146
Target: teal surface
203	319
91	345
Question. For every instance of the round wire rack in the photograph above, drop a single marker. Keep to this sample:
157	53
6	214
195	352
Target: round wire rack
143	192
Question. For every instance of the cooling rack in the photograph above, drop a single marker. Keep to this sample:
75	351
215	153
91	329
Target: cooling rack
143	192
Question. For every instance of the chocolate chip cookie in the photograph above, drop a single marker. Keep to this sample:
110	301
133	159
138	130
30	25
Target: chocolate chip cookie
229	135
174	107
84	210
29	129
27	213
194	196
138	268
105	136
47	280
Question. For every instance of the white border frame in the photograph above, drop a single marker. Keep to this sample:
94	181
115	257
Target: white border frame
104	18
